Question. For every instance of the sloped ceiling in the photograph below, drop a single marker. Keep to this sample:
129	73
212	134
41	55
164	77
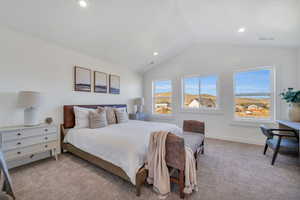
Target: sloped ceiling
127	32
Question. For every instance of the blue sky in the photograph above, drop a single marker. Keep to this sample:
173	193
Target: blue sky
246	82
206	85
162	86
253	82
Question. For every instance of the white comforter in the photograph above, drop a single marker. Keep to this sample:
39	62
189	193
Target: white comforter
125	145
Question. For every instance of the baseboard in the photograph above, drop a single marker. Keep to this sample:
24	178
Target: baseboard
236	139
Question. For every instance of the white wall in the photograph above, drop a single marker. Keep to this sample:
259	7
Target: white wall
298	69
223	61
27	63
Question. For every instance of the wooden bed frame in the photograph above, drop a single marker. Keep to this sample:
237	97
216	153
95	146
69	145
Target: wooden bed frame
69	122
175	152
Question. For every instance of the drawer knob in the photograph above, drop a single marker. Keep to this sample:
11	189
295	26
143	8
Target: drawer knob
18	143
46	138
19	134
46	129
19	152
46	146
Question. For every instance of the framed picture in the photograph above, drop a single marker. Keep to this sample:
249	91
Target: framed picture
114	84
82	79
100	82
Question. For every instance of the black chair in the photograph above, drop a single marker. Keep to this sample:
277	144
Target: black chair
280	142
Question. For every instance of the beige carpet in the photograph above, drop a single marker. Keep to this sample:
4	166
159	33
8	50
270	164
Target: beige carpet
228	170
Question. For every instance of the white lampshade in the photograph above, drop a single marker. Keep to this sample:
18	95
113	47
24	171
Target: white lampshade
139	101
29	99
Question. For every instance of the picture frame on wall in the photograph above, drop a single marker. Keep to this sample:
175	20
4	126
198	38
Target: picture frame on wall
82	79
114	84
100	82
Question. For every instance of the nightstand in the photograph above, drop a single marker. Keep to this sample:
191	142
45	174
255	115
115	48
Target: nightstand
138	116
21	145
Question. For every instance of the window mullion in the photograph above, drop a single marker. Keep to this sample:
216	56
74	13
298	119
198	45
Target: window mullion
199	91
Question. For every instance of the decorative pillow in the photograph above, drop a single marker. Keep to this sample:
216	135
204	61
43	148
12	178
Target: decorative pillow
82	117
123	109
110	115
122	116
98	118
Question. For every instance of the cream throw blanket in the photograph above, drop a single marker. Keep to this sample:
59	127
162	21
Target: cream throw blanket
158	174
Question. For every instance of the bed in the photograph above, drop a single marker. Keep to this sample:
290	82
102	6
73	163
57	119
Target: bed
119	148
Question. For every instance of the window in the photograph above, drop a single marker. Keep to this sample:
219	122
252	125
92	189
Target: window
200	92
162	97
253	94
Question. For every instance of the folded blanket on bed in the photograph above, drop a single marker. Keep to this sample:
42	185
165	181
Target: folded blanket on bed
158	174
190	172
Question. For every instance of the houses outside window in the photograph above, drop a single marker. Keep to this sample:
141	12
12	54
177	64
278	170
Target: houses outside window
254	94
200	93
162	97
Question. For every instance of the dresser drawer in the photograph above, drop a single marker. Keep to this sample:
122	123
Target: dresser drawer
27	159
12	135
50	137
21	152
50	129
23	133
20	143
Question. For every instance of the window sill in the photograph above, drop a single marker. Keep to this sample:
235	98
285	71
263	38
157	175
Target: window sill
169	116
203	111
163	117
251	123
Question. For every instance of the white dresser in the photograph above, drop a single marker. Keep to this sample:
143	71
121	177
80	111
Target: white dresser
22	145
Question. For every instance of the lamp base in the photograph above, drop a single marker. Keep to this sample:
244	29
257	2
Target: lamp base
30	117
139	109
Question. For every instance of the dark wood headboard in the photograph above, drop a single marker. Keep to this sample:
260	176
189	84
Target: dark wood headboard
69	117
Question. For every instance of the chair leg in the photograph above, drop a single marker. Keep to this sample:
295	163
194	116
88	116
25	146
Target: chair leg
181	183
266	147
274	157
276	151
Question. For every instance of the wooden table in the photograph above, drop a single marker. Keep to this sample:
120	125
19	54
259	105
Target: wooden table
290	125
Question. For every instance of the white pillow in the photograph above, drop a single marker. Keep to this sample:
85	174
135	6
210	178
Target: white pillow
123	109
122	116
82	117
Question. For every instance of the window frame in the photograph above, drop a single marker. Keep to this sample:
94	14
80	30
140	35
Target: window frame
272	95
201	110
153	98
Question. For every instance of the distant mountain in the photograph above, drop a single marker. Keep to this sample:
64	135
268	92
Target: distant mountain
252	101
188	97
163	94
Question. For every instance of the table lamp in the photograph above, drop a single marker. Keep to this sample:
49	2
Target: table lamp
140	103
30	101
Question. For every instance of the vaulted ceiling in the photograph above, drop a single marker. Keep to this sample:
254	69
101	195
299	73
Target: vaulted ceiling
127	32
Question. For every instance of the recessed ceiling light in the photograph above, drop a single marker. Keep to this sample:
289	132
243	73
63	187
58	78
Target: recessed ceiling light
155	53
242	30
83	3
